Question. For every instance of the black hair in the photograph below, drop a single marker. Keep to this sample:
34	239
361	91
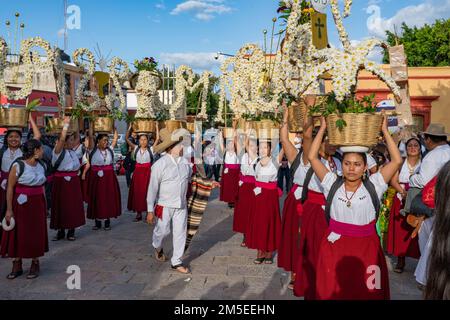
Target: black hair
436	139
269	143
30	147
361	154
99	137
438	279
19	132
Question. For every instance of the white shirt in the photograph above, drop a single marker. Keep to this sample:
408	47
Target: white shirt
168	183
248	166
210	155
231	158
143	157
404	172
361	211
102	158
432	163
315	184
300	173
9	158
79	151
268	173
70	162
32	176
188	153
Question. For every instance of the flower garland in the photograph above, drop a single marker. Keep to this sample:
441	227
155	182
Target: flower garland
148	100
31	62
89	68
117	77
182	84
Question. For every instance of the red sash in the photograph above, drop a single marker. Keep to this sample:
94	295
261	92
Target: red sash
269	186
29	191
159	211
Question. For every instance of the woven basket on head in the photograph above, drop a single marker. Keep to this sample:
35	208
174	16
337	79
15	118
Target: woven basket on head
362	129
267	129
172	125
297	112
227	132
104	125
14	117
55	126
144	126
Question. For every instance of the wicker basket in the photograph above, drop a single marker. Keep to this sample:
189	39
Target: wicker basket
144	126
104	125
14	117
55	126
297	112
362	129
172	125
267	129
228	133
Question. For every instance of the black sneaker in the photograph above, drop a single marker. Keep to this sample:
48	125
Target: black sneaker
60	235
71	235
107	225
98	225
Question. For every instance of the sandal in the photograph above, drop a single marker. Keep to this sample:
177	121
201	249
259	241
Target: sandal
71	235
291	285
259	260
98	225
268	260
160	256
34	270
17	270
181	269
400	266
138	218
107	225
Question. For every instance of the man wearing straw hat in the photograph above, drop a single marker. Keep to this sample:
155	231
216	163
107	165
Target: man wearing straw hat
435	138
166	197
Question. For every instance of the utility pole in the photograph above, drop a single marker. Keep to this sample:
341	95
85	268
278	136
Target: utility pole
65	27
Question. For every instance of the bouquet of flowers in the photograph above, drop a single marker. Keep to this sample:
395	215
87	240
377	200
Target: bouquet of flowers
146	64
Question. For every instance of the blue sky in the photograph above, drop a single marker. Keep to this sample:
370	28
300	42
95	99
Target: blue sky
191	31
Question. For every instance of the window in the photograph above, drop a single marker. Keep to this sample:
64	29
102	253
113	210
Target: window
67	79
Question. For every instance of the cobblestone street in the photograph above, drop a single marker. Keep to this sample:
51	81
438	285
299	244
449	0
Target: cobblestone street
120	264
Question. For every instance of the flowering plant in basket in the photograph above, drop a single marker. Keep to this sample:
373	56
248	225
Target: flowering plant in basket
146	64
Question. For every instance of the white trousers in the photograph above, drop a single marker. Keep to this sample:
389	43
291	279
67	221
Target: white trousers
425	243
178	217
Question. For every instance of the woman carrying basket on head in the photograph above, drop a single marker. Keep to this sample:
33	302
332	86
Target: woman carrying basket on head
351	262
143	155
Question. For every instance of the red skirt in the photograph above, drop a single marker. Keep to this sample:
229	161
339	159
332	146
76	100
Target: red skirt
29	237
104	195
264	226
289	249
243	206
347	267
229	185
314	228
137	196
399	242
67	204
85	185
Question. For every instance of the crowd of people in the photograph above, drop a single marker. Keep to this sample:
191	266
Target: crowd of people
324	233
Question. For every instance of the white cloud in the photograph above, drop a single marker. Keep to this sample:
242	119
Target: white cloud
160	5
199	61
416	15
204	10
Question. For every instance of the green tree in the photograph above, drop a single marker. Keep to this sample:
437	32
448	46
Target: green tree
427	46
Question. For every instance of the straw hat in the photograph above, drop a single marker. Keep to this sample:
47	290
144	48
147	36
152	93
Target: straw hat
436	129
169	139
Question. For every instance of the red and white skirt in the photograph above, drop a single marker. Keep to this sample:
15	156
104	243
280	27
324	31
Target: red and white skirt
399	242
353	267
264	227
244	204
137	195
67	202
104	194
313	229
229	184
29	237
289	249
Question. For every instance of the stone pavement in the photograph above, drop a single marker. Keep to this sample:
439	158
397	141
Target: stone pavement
120	264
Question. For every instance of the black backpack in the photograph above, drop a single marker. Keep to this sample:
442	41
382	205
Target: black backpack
367	184
293	169
21	162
